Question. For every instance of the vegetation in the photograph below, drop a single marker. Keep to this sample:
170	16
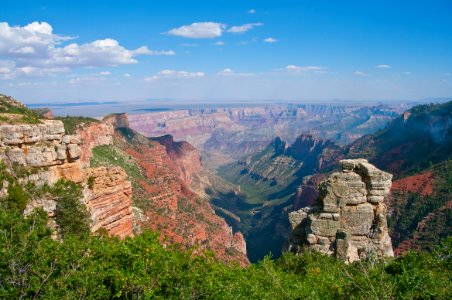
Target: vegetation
432	211
72	123
32	265
71	215
13	112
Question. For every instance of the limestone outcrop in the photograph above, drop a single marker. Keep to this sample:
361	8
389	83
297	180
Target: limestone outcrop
44	147
349	219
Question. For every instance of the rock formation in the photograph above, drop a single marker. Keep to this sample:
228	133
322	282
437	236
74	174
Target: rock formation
44	147
350	219
109	200
185	156
168	204
46	154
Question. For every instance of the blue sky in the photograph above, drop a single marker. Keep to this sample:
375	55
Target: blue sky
225	50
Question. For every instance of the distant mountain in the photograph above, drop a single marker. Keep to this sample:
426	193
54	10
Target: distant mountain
418	138
236	132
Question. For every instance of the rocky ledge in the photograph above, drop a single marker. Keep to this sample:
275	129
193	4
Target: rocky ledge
349	219
42	146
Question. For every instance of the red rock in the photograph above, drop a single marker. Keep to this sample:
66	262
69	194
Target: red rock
110	201
419	183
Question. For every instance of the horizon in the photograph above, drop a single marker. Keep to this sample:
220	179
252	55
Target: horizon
248	52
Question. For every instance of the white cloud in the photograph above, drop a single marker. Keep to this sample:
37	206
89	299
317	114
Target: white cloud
174	74
312	69
127	75
383	66
270	40
219	43
226	72
36	50
360	73
252	11
104	73
244	28
199	30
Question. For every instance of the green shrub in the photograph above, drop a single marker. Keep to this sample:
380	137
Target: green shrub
72	123
71	215
17	198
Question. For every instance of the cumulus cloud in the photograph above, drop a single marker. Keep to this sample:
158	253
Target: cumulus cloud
174	74
360	73
270	40
36	50
244	28
199	30
312	69
383	66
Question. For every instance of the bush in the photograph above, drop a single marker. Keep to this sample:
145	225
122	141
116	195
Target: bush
71	215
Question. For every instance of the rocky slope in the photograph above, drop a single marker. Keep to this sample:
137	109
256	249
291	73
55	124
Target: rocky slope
186	157
349	219
160	170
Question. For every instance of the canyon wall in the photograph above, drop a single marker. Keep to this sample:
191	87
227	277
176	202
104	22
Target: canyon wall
45	154
168	205
238	131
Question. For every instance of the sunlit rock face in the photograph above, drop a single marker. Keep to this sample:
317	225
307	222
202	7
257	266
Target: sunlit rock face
48	155
349	219
44	147
110	201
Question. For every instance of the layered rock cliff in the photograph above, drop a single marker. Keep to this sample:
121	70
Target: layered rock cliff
41	153
109	199
185	156
43	147
160	170
349	221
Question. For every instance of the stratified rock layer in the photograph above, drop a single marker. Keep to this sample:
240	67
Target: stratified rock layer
350	219
44	147
110	201
48	155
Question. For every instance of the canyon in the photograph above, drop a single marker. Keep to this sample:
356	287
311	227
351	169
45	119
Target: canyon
143	184
233	132
234	186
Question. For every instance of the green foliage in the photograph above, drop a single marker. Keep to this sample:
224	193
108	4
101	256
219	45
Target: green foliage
108	156
90	182
72	123
17	198
98	267
71	215
10	106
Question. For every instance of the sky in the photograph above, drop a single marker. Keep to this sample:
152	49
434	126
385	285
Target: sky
218	50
